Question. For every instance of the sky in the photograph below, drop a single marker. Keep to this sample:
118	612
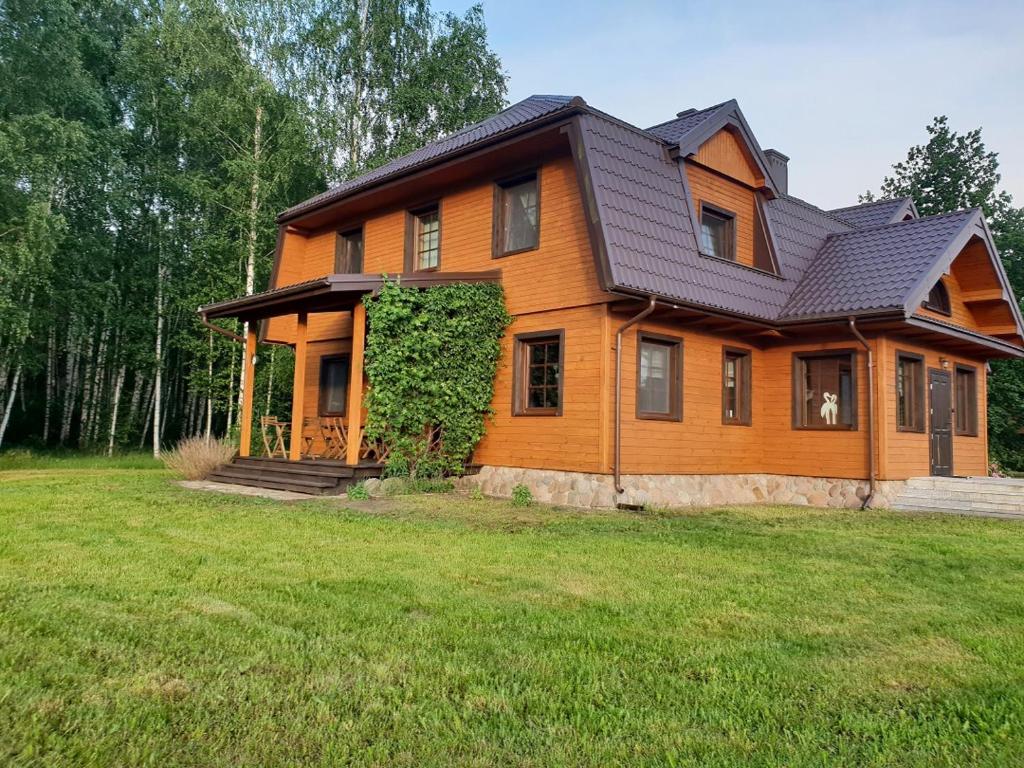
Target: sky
843	89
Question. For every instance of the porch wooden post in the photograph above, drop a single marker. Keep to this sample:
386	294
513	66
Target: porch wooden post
355	385
245	437
298	388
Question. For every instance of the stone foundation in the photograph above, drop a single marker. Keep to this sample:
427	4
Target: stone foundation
580	489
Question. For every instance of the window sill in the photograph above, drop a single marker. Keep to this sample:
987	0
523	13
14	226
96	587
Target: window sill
515	252
802	428
644	416
911	430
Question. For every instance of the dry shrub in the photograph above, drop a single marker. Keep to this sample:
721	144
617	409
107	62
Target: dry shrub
195	458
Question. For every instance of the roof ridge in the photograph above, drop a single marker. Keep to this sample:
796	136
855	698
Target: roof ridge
816	209
870	203
682	116
918	220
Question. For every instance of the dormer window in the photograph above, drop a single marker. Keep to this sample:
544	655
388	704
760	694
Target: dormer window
717	231
938	299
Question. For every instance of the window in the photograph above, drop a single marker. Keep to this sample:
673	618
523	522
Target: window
516	216
333	385
909	392
736	386
966	401
825	390
716	232
938	299
348	252
423	240
537	385
659	376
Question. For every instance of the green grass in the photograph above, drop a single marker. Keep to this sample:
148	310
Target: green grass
144	624
20	458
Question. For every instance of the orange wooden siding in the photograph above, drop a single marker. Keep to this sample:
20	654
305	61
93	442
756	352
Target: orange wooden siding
708	187
907	453
726	153
559	273
572	441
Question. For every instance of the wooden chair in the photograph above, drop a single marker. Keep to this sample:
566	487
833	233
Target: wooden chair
310	429
334	434
272	423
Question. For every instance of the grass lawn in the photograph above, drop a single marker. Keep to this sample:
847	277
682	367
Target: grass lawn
144	624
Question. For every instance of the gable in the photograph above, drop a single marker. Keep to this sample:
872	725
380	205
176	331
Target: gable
727	154
977	298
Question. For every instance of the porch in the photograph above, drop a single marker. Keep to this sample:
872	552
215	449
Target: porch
321	452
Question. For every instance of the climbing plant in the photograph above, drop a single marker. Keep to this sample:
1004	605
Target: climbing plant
431	357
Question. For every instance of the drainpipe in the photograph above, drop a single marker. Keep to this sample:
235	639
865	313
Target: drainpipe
618	386
871	411
218	329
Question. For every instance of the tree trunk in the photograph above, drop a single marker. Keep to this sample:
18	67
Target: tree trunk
253	232
209	388
133	407
158	357
118	384
10	403
51	344
86	389
270	380
70	387
231	397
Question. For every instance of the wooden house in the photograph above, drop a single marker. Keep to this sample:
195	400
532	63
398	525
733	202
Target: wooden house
685	331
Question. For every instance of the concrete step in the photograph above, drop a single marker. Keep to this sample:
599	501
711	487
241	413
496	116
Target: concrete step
997	497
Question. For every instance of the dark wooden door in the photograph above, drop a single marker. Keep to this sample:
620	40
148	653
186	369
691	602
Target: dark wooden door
940	433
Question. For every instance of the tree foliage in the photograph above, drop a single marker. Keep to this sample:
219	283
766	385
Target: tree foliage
431	357
145	148
949	172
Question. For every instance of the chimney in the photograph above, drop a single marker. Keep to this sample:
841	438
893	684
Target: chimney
778	166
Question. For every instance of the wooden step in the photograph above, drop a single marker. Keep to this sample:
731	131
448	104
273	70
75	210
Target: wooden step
294	468
336	469
255	476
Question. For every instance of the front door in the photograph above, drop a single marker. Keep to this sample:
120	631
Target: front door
940	432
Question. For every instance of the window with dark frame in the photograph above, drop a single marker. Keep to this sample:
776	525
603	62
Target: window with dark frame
334	374
537	386
938	299
348	252
825	390
423	241
659	377
516	215
909	392
966	391
736	389
717	231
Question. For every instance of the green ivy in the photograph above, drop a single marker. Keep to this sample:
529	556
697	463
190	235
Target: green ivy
431	357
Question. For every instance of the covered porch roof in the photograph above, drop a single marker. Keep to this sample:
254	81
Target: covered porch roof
331	293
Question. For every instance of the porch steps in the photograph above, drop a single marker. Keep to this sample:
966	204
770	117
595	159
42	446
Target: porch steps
986	496
316	477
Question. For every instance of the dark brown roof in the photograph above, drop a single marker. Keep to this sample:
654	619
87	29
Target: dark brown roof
523	113
851	260
330	293
877	212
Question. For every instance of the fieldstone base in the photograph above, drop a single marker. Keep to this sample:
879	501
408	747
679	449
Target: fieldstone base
580	489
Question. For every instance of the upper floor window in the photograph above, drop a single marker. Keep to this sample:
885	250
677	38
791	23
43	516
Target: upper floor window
659	379
825	390
909	392
423	239
348	252
334	370
966	416
718	232
516	215
938	299
537	379
736	386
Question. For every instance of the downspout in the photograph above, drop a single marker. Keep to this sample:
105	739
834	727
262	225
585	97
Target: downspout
871	411
652	302
218	329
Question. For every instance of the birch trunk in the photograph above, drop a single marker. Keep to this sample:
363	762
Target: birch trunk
209	388
51	343
70	387
86	389
133	407
158	357
118	384
252	234
270	381
231	396
10	403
